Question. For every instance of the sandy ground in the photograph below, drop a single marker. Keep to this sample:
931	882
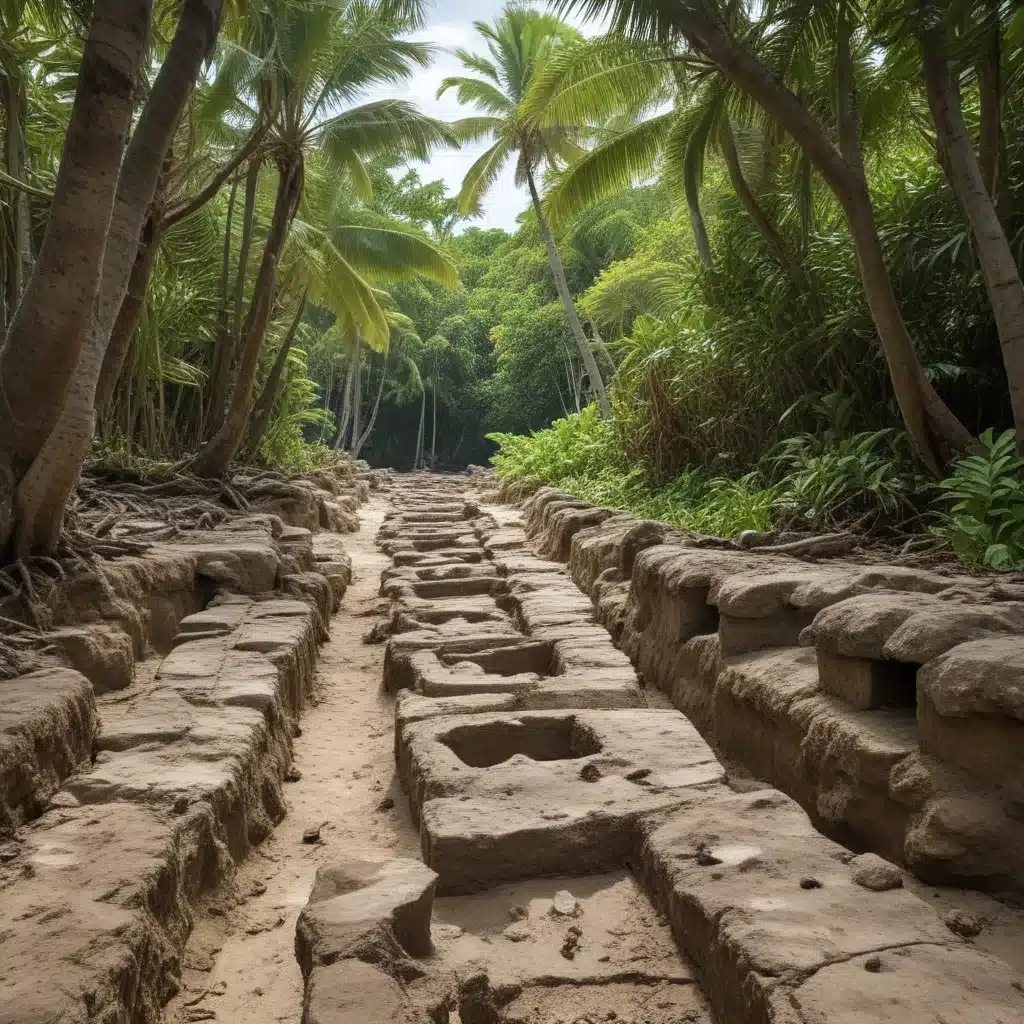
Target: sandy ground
239	966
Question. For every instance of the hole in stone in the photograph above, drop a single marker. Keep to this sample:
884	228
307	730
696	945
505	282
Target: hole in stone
510	661
895	684
540	739
470	587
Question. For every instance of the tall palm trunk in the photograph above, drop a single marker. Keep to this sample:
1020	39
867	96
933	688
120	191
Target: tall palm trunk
50	326
157	224
433	412
417	460
764	223
228	340
933	428
216	455
346	403
357	392
357	447
991	139
998	266
130	313
21	225
43	493
562	287
272	387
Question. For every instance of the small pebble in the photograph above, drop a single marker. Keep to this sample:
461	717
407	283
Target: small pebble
962	924
312	835
565	904
874	873
873	964
807	882
292	775
386	804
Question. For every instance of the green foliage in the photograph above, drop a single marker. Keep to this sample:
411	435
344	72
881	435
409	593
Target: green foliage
985	525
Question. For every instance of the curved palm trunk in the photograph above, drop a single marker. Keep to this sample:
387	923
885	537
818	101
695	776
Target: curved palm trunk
272	387
358	446
43	493
562	287
216	455
998	266
50	326
764	223
933	428
156	225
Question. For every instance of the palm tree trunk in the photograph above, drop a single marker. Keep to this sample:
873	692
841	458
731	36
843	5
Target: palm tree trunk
49	328
998	266
346	403
933	428
43	493
21	222
562	287
418	457
357	392
991	140
358	446
132	305
216	455
433	411
224	364
272	387
764	223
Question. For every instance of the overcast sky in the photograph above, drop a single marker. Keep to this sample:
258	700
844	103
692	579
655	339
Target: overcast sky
450	25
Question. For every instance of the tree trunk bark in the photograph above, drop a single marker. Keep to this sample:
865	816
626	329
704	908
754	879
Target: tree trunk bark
418	457
934	430
43	493
225	358
49	328
346	405
991	141
764	223
21	218
561	285
357	392
272	387
433	412
373	415
998	266
128	316
216	455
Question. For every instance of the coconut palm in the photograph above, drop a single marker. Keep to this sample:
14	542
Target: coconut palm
519	44
934	429
326	52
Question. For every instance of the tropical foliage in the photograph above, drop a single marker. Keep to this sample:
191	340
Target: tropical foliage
767	273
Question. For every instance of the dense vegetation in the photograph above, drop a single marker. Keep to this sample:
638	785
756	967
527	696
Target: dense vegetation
768	274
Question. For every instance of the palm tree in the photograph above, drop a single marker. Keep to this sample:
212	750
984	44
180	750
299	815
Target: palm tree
934	429
520	42
326	54
628	84
51	324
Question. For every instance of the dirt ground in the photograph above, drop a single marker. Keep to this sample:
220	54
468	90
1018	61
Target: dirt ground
239	965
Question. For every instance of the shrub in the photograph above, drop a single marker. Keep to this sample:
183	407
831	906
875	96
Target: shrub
985	526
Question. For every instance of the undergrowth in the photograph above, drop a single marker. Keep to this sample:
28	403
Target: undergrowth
862	481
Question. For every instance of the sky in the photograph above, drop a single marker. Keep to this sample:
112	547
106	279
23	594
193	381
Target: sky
450	25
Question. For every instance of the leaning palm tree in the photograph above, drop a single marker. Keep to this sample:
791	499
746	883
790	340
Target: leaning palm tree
326	53
520	42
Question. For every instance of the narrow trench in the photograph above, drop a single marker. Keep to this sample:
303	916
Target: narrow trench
239	964
604	955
